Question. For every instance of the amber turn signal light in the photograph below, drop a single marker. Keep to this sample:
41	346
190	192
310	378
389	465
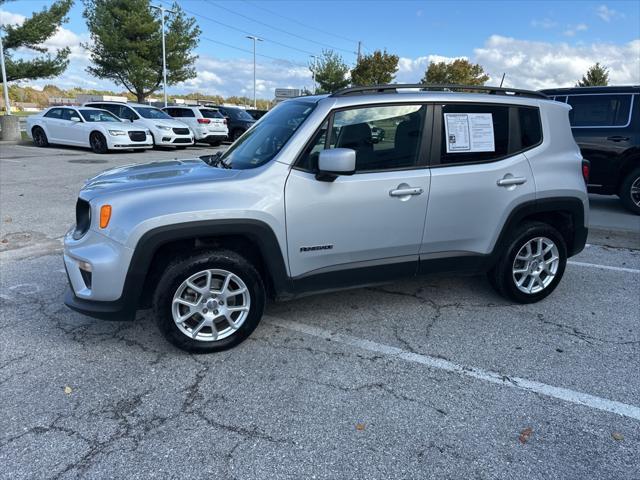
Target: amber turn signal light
105	215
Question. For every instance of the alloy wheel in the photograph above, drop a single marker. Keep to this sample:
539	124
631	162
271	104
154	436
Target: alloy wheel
536	265
211	305
635	192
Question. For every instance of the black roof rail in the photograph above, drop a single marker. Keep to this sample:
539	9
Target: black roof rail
393	88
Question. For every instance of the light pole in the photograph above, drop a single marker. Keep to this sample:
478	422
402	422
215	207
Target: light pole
5	87
313	72
164	57
255	39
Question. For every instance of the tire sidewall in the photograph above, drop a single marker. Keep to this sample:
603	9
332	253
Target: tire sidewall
40	133
179	271
104	149
625	191
518	241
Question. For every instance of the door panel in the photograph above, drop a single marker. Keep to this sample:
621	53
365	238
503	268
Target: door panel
467	207
354	219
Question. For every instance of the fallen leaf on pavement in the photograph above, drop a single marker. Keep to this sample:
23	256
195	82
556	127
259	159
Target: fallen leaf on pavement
617	436
68	390
360	426
525	435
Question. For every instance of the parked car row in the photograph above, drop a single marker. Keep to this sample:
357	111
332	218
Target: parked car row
104	126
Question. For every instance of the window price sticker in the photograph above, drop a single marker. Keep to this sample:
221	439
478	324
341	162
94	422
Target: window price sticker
469	132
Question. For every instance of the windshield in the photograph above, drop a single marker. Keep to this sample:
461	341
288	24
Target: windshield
150	112
98	116
267	137
238	114
208	113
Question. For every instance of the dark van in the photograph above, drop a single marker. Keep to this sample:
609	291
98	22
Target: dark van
605	122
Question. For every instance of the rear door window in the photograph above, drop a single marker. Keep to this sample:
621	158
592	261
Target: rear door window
209	113
600	110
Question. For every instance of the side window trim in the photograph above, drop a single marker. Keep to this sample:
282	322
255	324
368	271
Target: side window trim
632	100
422	161
436	144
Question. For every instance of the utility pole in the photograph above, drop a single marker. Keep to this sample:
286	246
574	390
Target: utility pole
313	72
255	39
359	47
164	56
5	87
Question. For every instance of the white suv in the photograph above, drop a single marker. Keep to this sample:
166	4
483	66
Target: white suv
208	125
166	131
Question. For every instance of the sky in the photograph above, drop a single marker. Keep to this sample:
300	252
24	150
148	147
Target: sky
536	44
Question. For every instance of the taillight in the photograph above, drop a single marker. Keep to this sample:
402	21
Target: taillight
586	169
204	120
225	121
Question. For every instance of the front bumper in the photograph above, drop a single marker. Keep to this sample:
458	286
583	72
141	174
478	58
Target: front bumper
100	293
123	142
166	138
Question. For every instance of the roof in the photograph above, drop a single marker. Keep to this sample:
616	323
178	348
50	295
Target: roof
609	89
429	88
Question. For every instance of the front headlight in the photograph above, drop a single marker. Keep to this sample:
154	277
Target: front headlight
162	127
115	133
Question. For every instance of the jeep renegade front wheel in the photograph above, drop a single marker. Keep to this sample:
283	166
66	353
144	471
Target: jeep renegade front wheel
209	302
532	264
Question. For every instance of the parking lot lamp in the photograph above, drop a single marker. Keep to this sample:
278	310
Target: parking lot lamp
255	39
164	56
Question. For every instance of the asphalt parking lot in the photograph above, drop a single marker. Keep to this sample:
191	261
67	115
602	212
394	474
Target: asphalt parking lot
427	378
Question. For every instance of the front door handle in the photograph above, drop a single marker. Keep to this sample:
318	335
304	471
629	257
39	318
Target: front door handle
404	191
508	181
618	138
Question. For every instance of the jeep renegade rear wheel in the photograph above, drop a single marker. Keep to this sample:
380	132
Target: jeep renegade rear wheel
532	264
209	302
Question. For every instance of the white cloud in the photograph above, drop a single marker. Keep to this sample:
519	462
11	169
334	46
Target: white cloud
545	23
235	77
573	29
606	13
9	18
537	65
411	70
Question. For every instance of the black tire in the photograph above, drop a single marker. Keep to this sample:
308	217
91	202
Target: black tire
236	134
39	137
630	191
183	268
501	276
98	143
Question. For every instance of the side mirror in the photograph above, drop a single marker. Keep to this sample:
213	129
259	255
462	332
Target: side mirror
75	119
335	162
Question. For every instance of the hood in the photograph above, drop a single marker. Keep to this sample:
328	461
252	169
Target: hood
153	175
167	122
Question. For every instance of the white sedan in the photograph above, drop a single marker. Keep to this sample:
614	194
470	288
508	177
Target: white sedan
86	127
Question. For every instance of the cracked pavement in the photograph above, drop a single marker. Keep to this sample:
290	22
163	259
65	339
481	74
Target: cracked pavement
85	398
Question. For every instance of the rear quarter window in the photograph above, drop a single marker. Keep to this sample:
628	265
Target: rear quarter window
599	110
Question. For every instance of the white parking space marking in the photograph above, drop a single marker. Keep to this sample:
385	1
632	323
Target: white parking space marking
517	383
604	267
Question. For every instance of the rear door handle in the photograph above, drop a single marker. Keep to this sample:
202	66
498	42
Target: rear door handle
403	192
618	138
509	181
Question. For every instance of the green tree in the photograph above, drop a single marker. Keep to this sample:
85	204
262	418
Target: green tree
375	69
331	73
126	45
458	72
32	34
596	76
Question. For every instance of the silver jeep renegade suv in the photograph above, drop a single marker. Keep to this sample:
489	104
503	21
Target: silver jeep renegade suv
311	200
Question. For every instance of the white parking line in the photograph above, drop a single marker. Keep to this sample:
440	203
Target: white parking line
517	383
604	267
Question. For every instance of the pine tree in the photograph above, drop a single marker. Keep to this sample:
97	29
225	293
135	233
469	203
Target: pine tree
596	76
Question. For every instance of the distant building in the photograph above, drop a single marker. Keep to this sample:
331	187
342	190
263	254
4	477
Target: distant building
55	101
83	98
